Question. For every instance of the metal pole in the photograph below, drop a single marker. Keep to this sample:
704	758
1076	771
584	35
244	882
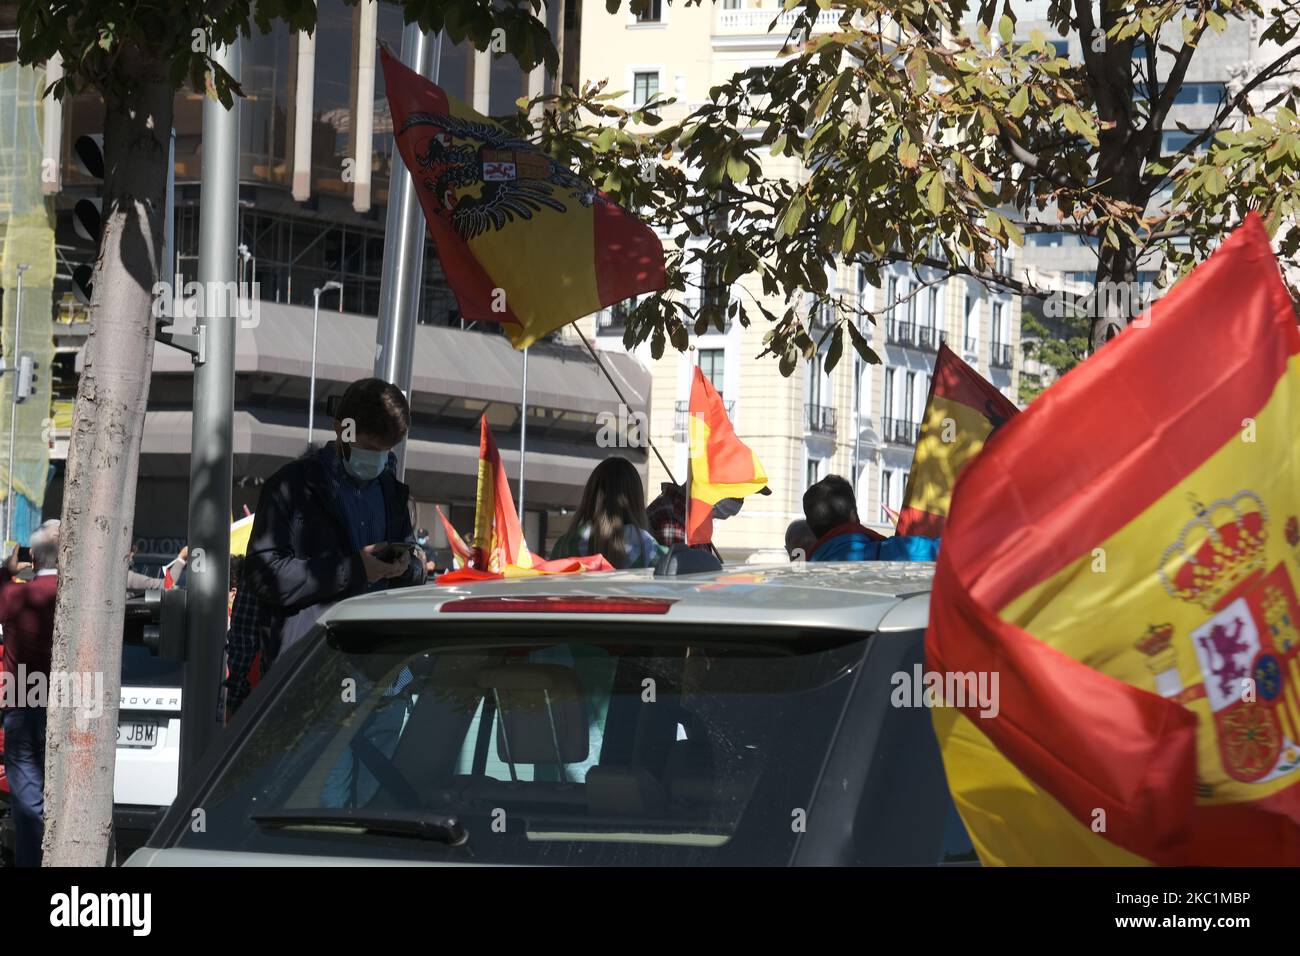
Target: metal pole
11	366
311	398
166	265
404	234
315	328
211	449
523	436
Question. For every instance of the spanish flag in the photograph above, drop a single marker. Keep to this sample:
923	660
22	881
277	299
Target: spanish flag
1124	561
461	553
963	410
498	538
521	239
722	466
499	550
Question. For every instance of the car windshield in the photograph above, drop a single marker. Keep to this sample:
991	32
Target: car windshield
554	743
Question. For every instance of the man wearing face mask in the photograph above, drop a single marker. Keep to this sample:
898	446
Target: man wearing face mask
330	525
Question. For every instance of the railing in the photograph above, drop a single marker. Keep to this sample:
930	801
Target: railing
900	431
819	418
900	332
1000	355
927	338
682	419
756	21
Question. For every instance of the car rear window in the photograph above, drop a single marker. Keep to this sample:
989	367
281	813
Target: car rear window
142	668
567	743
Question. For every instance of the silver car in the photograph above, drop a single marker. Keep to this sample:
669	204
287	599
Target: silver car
741	717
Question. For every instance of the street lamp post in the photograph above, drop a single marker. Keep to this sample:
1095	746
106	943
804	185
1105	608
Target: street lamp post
11	364
315	329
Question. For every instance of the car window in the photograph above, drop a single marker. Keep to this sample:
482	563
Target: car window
549	744
142	668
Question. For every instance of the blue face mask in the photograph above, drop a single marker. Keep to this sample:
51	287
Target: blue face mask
364	465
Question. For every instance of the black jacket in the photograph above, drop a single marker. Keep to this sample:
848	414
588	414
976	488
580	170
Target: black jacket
300	553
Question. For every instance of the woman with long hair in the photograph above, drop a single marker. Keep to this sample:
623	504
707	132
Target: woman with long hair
611	519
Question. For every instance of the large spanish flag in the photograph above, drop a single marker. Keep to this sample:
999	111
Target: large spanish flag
1124	558
521	239
498	538
963	410
722	466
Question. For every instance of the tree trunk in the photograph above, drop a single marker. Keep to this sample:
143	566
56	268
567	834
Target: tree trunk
1115	293
103	463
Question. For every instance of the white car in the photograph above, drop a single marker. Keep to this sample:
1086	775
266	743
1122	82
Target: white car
741	717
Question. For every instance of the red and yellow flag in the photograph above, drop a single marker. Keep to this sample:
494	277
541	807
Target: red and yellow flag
498	538
722	466
963	410
1124	561
521	239
594	562
461	553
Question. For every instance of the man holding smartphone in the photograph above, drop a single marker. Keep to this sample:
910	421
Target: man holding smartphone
330	525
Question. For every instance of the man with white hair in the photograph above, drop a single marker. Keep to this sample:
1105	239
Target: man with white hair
27	615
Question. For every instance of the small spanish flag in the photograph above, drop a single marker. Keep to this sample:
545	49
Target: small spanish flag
963	410
722	466
521	239
498	538
1121	569
461	553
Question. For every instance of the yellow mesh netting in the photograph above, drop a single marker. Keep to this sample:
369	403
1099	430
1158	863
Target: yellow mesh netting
26	237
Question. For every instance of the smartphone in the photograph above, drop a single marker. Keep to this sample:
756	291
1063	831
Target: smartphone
24	554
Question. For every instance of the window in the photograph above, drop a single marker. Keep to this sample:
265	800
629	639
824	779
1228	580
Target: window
862	288
1191	94
970	327
645	84
996	324
888	397
712	364
731	4
886	495
653	12
933	310
891	294
909	397
546	722
714	294
813	394
811	477
1173	141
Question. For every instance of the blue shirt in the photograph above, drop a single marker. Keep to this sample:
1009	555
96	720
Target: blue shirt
362	504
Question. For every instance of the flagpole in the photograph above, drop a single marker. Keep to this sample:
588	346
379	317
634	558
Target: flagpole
619	392
523	439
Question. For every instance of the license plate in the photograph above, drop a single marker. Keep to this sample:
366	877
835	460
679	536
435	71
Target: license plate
137	733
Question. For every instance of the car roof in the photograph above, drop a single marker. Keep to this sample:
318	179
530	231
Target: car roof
865	596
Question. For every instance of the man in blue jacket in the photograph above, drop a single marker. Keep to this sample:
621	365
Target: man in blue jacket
328	526
831	509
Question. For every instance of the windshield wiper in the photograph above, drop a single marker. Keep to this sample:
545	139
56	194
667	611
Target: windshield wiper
437	827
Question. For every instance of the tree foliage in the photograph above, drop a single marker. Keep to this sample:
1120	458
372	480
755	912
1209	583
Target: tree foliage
928	133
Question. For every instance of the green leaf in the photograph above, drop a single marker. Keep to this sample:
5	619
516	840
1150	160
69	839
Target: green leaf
1006	29
1019	103
935	196
850	234
835	350
792	217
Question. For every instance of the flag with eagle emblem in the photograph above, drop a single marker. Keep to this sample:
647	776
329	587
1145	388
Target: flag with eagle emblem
522	240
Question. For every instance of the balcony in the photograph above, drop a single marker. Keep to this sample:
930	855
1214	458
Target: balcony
900	431
682	419
819	419
1000	355
900	332
928	338
736	23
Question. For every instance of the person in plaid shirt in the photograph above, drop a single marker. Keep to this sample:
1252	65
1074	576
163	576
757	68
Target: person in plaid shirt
667	514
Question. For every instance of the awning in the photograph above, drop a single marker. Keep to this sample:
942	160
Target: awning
450	362
437	469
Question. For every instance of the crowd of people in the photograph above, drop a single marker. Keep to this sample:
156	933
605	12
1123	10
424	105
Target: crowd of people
336	523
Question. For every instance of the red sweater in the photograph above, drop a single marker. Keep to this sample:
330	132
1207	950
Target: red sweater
27	614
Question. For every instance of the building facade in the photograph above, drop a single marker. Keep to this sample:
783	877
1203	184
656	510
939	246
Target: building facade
861	420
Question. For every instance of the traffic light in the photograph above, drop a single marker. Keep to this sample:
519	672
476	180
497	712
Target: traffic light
25	385
87	214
